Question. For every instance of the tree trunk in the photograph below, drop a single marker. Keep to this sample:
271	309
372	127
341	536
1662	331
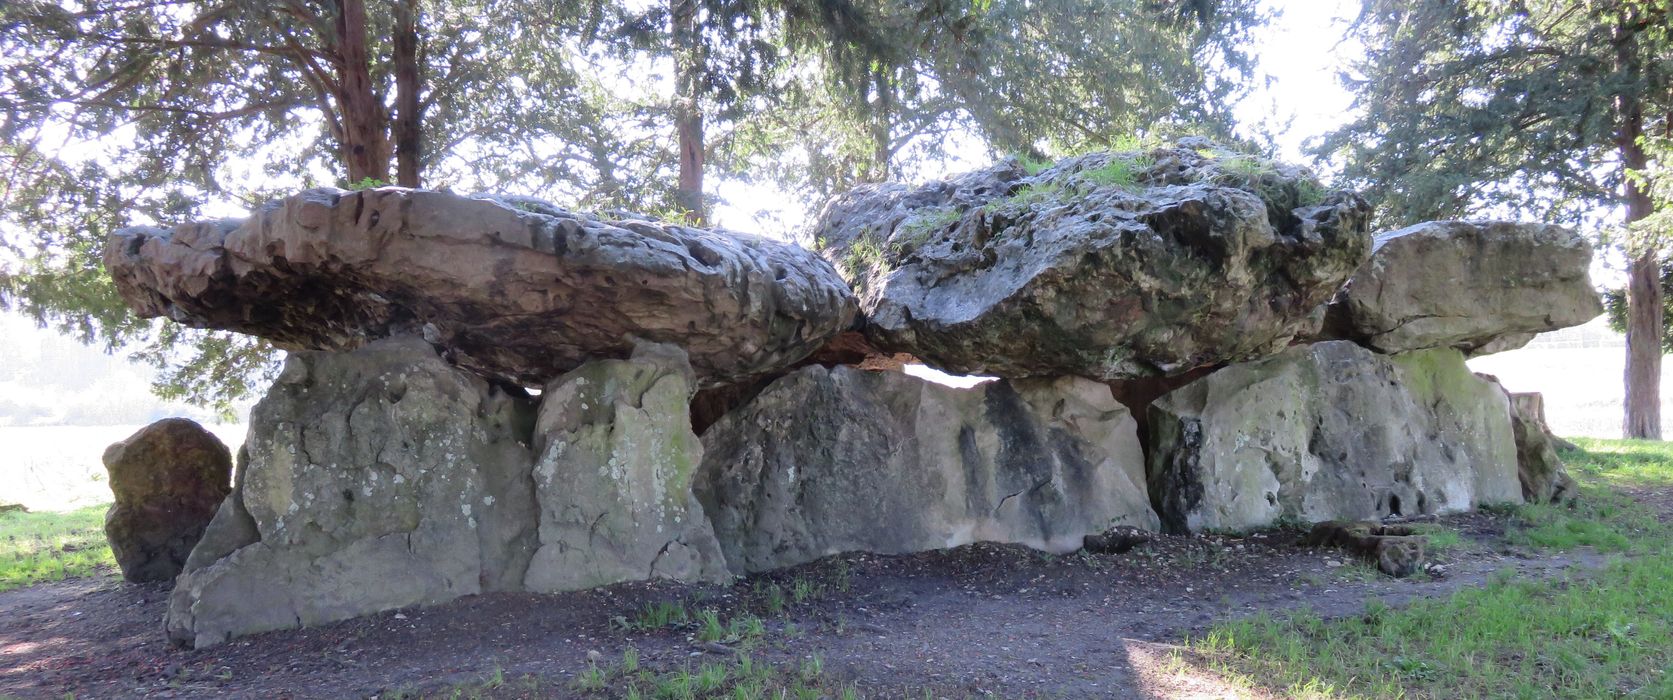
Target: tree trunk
409	110
365	143
1644	298
688	115
882	121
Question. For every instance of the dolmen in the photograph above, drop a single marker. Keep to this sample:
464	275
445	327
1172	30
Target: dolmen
490	393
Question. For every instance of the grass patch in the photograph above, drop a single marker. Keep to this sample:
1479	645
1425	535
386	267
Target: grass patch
741	677
1028	196
912	233
1605	634
1120	171
1033	166
1441	538
863	260
47	546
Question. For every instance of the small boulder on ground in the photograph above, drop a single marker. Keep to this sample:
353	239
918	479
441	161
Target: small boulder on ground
1479	286
1107	266
1398	551
168	479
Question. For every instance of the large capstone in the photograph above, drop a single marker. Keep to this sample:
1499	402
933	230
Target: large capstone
1479	286
615	459
838	460
168	479
512	288
373	480
1109	265
1331	431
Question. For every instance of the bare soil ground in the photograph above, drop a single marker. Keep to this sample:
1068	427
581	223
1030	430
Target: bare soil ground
975	621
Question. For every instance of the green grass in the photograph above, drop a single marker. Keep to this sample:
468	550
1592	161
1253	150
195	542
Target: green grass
912	233
741	677
1120	171
40	547
863	260
1441	538
1598	634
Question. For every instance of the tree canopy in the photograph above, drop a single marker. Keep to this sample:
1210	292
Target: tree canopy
117	112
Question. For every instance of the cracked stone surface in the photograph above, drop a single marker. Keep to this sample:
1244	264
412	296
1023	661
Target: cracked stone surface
1479	286
1331	431
615	458
372	480
513	288
1108	266
836	460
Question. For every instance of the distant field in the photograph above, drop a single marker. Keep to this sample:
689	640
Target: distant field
59	467
1583	387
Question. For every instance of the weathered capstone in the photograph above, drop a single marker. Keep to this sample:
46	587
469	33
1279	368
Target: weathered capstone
376	479
1330	431
167	480
1479	286
1109	265
836	460
512	287
615	459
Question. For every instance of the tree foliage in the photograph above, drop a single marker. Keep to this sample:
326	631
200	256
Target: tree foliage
121	112
1492	106
1542	109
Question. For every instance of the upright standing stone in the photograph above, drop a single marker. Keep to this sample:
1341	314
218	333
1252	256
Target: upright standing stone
167	479
1331	431
839	460
615	459
376	479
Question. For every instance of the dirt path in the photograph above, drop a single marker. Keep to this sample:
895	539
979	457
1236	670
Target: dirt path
976	621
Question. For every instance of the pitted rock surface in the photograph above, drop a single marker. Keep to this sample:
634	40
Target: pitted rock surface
1108	266
1331	431
514	288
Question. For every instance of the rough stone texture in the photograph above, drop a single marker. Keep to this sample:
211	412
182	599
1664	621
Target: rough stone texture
840	459
1110	265
376	479
167	479
1543	475
1397	550
1530	405
1330	431
1479	286
513	288
615	460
